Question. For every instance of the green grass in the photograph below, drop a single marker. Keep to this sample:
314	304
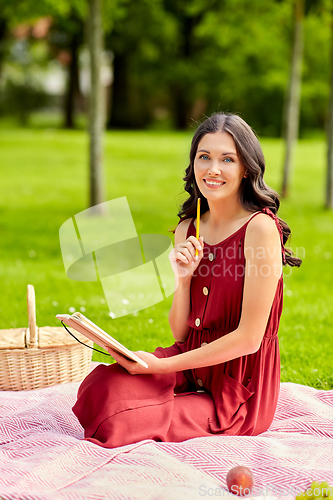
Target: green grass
44	181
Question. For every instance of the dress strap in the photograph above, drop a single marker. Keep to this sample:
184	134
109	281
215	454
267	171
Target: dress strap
253	215
269	212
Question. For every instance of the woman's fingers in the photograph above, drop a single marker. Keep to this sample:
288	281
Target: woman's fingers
190	246
182	257
195	245
182	253
186	252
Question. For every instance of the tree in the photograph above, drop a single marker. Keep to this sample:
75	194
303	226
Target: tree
141	39
329	175
59	24
292	104
96	115
189	15
73	94
3	34
65	40
29	10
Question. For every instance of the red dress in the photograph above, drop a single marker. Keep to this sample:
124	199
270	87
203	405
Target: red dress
238	397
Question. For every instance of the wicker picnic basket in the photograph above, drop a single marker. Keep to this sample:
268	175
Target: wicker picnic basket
32	358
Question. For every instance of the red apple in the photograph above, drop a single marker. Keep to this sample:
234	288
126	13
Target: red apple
240	480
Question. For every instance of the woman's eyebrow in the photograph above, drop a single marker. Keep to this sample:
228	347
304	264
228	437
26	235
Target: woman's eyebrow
222	154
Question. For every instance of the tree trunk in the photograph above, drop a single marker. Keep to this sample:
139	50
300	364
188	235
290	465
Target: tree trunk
96	115
73	84
181	102
3	34
119	111
181	106
329	177
292	108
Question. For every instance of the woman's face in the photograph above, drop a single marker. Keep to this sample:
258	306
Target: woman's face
218	170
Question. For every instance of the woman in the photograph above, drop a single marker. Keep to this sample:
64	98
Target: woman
222	375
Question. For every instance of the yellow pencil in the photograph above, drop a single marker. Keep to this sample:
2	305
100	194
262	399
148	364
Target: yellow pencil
198	224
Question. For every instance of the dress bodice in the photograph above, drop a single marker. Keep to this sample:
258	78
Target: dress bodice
217	284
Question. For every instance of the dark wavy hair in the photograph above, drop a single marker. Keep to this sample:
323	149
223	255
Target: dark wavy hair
254	192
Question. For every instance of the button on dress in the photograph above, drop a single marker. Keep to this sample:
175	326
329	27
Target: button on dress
238	397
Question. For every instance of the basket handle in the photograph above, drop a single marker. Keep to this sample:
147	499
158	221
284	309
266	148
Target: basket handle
32	316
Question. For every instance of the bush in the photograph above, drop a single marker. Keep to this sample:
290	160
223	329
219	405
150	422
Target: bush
20	99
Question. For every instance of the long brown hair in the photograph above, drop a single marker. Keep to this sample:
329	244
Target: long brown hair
254	192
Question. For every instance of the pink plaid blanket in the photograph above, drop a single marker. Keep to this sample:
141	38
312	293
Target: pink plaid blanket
42	455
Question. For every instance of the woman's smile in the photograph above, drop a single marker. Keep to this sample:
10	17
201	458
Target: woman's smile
213	184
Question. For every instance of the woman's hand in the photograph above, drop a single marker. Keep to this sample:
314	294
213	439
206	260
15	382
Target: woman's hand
134	368
182	257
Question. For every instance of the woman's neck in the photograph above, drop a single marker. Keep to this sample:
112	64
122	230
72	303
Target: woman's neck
222	212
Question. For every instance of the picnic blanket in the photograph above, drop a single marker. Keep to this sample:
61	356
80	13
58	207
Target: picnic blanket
43	456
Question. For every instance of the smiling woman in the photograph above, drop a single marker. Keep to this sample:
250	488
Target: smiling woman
222	375
227	138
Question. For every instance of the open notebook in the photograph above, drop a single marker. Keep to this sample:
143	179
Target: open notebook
93	332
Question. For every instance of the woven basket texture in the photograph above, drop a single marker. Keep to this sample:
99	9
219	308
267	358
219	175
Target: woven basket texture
33	358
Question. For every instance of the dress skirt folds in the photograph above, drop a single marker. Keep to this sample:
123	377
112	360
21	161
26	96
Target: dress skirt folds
238	397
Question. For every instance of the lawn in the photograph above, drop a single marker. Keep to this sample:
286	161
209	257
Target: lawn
44	181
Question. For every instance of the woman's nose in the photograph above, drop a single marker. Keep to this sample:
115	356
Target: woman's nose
214	168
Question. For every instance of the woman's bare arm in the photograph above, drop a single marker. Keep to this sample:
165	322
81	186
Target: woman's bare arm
180	309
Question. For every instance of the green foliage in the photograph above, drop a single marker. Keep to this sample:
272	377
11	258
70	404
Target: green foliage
247	60
20	99
221	55
22	91
18	11
44	181
178	61
316	70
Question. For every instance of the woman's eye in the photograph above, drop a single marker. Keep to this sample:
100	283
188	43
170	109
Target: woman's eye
204	156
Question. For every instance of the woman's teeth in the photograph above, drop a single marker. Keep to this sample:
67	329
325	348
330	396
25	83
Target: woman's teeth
214	183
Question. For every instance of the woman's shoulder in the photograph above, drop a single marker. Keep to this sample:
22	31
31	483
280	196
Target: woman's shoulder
263	225
182	228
